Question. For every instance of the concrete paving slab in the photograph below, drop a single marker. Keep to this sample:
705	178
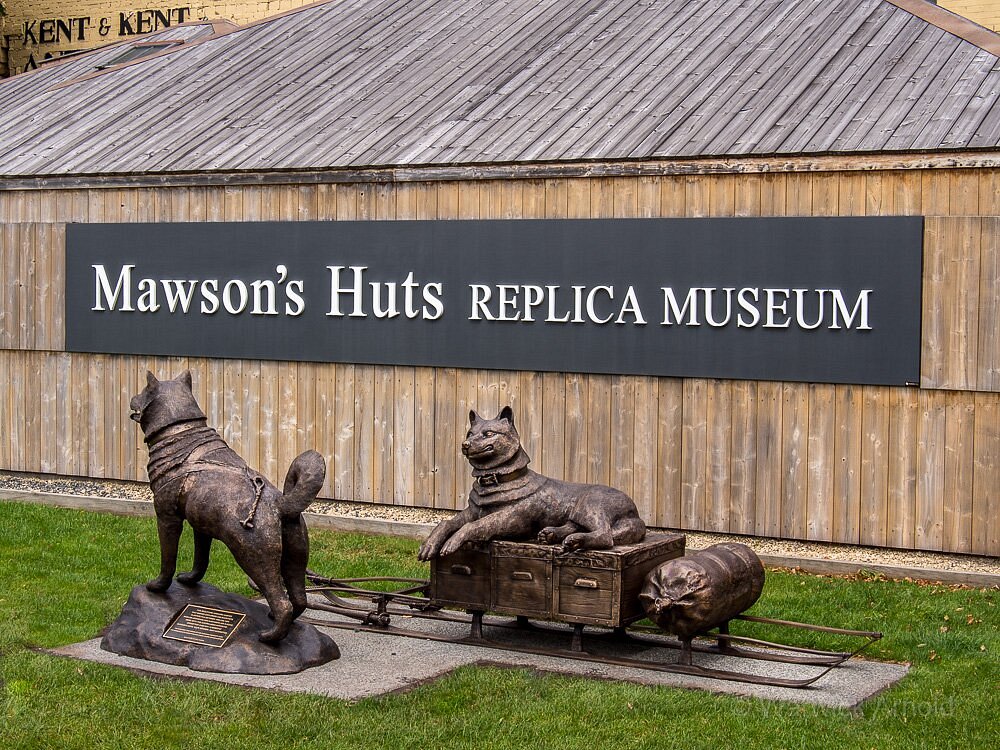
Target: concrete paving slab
374	664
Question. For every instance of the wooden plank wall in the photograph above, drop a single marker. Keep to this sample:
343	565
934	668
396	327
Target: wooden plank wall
900	467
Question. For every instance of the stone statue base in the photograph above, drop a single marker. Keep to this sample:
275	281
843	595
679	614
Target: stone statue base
138	632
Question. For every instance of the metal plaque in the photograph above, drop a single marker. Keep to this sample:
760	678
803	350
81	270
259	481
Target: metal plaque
206	626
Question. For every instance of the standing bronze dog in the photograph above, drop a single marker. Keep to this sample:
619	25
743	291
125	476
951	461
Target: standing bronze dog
510	501
196	476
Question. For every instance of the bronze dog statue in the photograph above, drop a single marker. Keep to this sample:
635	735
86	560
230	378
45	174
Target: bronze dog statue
510	501
196	476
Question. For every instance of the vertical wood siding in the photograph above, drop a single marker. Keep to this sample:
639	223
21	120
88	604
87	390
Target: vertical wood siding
901	467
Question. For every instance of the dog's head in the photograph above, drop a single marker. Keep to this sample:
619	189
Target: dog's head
491	442
165	402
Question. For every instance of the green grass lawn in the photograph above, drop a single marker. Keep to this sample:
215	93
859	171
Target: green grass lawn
66	574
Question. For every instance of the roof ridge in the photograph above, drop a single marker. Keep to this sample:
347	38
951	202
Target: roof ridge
952	23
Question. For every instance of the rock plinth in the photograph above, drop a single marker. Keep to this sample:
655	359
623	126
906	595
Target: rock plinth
138	633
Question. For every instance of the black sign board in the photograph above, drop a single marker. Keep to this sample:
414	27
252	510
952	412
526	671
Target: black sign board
834	300
206	626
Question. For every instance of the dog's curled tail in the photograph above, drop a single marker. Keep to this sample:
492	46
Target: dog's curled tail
302	483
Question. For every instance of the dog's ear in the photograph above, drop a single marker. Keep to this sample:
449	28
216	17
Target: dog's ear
151	379
473	417
506	413
185	378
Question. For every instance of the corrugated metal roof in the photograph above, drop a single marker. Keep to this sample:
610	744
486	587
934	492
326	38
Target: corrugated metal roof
356	83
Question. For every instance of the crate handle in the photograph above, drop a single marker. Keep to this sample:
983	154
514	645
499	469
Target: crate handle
585	583
522	575
461	570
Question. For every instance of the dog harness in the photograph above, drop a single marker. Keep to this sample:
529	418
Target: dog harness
185	449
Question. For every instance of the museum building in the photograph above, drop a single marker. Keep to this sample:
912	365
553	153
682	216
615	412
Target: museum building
739	260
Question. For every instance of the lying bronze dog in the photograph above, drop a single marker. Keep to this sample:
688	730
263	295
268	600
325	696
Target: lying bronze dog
510	501
196	476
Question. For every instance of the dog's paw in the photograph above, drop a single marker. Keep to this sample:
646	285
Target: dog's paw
449	547
553	534
573	542
282	624
272	635
158	585
190	578
428	550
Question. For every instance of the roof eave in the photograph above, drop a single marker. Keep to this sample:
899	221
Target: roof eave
775	163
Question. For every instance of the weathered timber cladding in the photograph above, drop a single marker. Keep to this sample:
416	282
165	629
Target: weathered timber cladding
886	466
905	467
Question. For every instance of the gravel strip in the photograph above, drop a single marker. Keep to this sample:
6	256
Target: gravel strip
74	486
695	540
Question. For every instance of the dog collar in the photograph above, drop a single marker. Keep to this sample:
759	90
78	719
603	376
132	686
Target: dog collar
494	479
175	429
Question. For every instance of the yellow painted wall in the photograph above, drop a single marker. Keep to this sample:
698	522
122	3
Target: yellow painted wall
984	12
37	30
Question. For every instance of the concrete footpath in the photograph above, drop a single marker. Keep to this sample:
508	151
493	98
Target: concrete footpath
375	664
